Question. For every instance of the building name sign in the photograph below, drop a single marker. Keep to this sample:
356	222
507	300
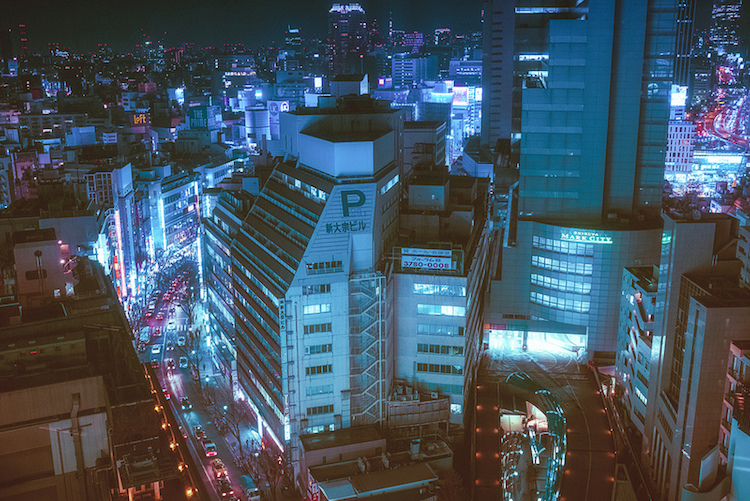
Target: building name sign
586	236
350	199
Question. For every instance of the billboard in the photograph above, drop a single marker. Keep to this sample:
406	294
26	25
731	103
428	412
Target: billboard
139	119
460	96
428	259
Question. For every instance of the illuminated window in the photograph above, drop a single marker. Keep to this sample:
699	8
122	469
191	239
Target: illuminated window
440	290
441	309
560	303
561	285
320	348
312	309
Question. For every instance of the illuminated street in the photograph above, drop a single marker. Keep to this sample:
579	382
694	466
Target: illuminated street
589	467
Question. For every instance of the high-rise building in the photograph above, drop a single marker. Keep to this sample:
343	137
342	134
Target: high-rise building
592	136
725	21
310	303
347	38
694	251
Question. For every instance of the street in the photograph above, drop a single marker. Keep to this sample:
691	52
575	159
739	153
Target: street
168	347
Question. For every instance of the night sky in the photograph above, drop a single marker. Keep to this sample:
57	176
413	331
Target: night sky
82	24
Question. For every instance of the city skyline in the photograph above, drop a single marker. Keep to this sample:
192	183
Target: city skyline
89	23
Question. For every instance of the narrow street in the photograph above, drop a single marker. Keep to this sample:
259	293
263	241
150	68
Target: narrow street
167	347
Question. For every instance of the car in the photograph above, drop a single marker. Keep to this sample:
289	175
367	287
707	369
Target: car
172	309
183	362
220	471
170	346
167	395
167	296
160	316
149	314
181	341
199	433
224	488
154	364
185	403
157	332
156	349
170	363
209	448
142	347
172	324
182	430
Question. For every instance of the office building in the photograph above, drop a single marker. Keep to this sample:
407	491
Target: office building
680	138
635	338
409	69
725	23
313	341
347	38
591	160
712	312
439	272
734	442
697	262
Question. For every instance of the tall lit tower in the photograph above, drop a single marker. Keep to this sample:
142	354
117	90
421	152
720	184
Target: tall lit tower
725	20
590	127
347	38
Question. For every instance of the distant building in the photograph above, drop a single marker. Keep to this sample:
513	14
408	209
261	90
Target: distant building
347	38
410	69
725	24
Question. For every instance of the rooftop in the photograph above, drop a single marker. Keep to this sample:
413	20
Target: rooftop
340	437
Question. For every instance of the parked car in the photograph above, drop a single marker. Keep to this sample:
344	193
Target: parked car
156	349
181	341
183	362
185	403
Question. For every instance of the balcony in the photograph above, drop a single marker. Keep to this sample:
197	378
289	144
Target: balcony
726	424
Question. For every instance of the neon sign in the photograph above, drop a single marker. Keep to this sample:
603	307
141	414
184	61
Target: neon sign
586	236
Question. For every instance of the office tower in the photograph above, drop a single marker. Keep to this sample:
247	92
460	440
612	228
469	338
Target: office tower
347	38
310	305
697	294
408	70
593	132
725	21
293	39
680	137
514	57
685	18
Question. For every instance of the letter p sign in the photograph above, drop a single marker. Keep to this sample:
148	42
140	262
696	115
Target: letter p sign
351	198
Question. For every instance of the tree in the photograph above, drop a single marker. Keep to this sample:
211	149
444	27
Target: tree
451	487
193	352
191	297
233	415
266	465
